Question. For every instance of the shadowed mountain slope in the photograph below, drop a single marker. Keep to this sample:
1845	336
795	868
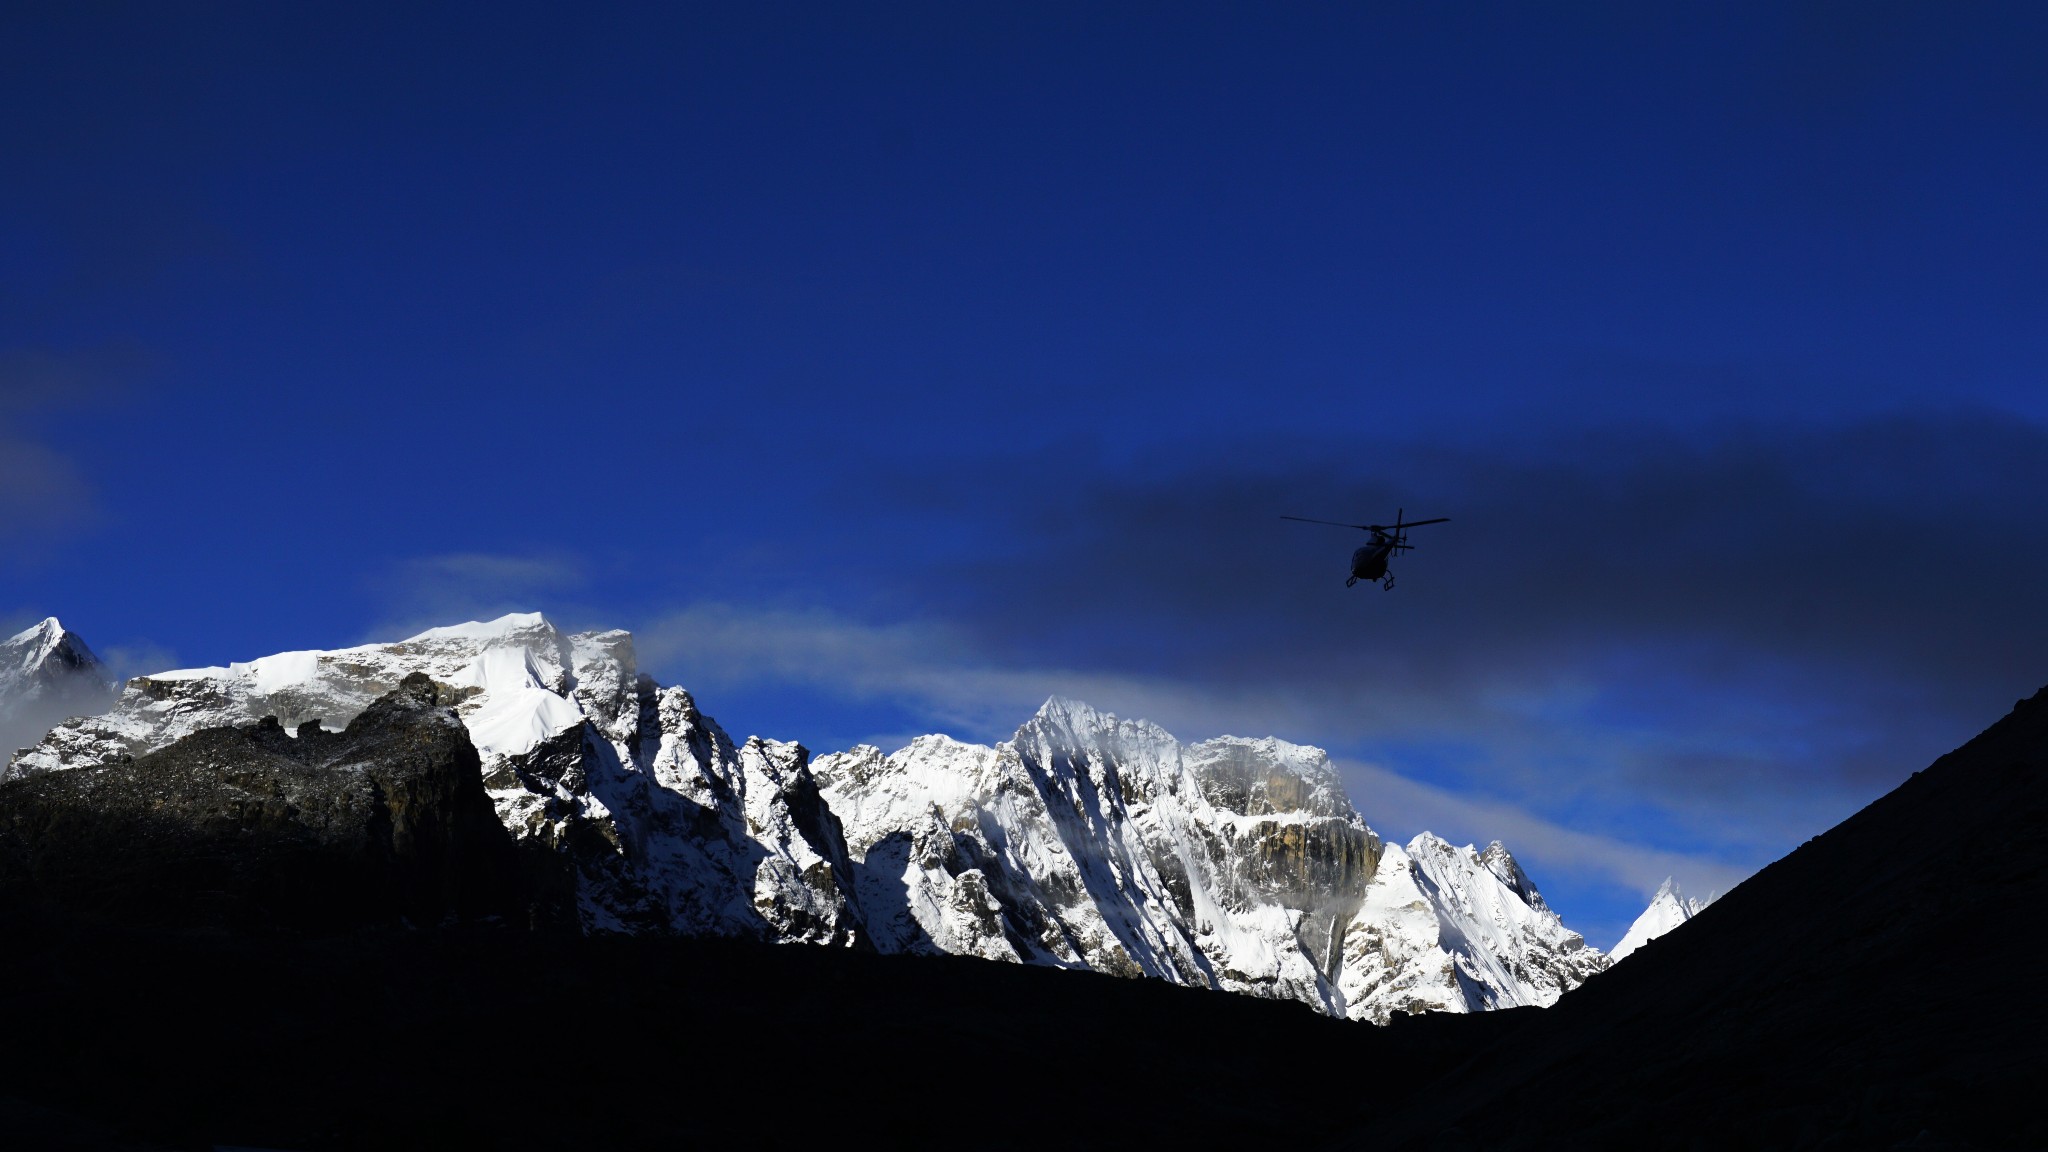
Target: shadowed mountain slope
479	1038
250	829
1885	985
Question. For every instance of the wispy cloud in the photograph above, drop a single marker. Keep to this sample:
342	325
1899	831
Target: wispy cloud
41	493
1652	652
1742	626
925	666
139	658
1405	805
428	591
932	672
45	495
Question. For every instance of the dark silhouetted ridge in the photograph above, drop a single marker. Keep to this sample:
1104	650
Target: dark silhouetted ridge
1885	985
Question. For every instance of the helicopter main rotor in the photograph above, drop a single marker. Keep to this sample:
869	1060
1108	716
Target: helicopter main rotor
1382	528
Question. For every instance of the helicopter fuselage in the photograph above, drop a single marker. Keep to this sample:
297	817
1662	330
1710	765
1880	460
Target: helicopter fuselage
1370	562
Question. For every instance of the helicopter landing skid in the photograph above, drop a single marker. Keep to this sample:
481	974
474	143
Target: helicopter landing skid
1387	585
1350	582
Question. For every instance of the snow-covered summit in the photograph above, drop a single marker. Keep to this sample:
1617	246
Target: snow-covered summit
46	673
1090	841
504	667
40	656
1668	909
669	825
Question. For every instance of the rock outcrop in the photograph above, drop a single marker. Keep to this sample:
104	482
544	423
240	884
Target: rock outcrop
254	829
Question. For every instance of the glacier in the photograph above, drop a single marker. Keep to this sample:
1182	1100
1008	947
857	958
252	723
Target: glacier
1084	841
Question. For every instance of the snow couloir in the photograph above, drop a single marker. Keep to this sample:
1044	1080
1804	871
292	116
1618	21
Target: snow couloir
1084	841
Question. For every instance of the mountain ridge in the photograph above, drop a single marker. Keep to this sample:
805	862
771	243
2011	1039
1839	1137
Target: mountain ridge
1871	989
1085	840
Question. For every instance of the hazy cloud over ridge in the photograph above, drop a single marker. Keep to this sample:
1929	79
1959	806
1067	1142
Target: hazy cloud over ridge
1839	573
1716	641
44	493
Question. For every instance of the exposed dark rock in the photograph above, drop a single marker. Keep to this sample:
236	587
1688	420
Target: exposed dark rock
251	829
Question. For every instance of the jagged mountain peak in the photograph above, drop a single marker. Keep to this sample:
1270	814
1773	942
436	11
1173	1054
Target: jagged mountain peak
47	672
1496	859
1057	707
1085	720
1669	908
1079	736
45	644
1427	841
36	634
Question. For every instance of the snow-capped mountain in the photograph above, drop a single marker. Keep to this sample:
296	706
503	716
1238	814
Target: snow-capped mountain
1084	841
1668	909
669	825
46	674
1092	842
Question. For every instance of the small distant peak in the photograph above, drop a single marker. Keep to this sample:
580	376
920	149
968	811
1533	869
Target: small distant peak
1671	894
1667	910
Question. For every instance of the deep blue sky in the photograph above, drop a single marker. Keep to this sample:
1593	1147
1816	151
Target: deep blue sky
890	370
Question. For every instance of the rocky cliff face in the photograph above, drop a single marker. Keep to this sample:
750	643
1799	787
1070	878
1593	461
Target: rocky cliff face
250	828
1085	841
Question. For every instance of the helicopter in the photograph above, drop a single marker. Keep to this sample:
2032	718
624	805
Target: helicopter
1388	541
